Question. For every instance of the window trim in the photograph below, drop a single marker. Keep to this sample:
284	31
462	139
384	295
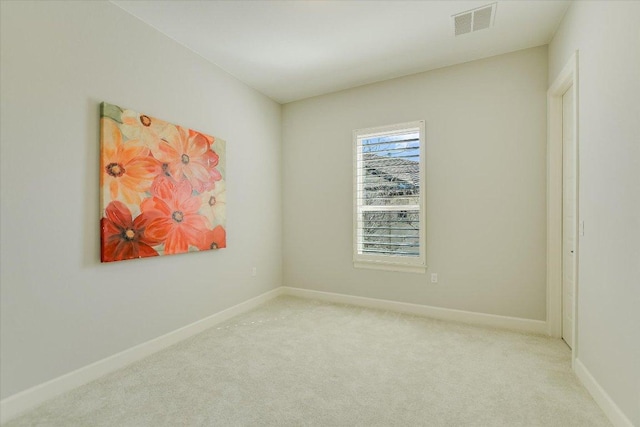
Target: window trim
389	262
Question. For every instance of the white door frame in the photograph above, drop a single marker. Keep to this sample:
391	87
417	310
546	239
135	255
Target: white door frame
567	77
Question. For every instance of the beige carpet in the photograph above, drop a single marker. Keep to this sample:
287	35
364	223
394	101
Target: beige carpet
295	362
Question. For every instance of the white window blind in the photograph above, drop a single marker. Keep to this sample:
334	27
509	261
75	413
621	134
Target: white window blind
389	226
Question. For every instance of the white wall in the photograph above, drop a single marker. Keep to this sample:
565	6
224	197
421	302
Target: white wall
62	309
607	35
486	200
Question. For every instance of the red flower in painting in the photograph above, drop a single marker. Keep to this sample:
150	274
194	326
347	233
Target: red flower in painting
175	215
187	154
123	237
213	239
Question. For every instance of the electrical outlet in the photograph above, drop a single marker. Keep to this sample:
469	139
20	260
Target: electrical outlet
254	271
434	277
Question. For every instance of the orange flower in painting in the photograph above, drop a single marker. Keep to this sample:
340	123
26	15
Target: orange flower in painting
127	169
175	215
187	154
213	239
123	237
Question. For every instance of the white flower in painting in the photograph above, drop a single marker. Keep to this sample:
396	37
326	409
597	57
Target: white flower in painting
214	204
147	129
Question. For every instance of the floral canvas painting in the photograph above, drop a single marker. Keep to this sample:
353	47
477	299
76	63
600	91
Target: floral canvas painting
162	187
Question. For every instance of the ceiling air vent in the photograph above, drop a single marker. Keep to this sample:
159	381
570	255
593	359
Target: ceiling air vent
475	19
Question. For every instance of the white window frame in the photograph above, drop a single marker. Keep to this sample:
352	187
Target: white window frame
381	261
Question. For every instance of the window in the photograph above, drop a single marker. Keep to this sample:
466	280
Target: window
389	217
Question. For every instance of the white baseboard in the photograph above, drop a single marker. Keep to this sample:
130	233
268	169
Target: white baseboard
602	398
502	322
14	405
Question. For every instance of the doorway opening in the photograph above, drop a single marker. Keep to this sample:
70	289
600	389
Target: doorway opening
562	206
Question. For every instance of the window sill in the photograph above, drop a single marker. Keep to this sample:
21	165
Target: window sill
404	268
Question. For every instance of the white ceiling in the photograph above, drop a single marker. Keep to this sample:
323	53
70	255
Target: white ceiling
291	50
